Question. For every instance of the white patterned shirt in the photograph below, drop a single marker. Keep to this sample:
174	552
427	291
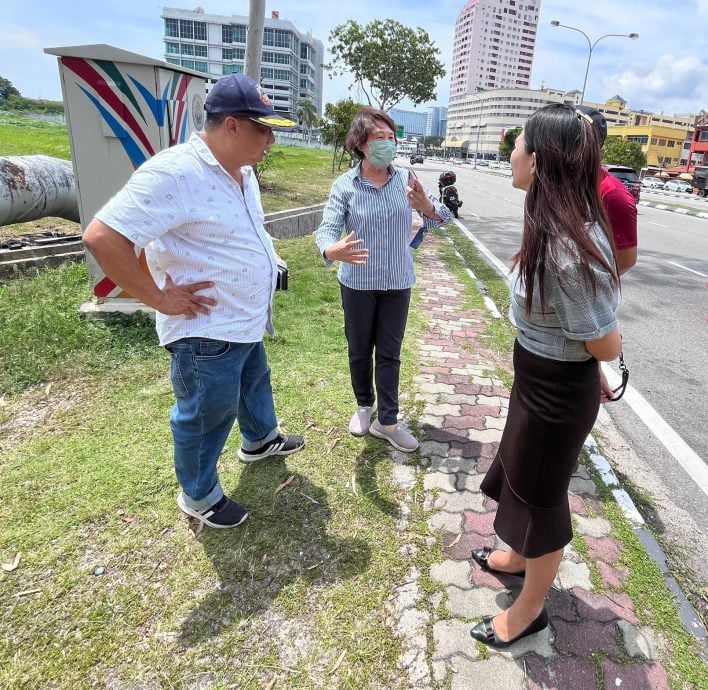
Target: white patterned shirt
196	224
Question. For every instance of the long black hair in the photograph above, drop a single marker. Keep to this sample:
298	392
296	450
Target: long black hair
562	198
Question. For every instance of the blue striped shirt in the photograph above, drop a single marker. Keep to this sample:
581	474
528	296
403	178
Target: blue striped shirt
382	217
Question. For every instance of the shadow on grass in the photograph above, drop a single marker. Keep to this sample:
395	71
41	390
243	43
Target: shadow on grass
365	472
283	544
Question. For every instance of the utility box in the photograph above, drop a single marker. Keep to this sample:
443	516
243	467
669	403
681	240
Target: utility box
121	108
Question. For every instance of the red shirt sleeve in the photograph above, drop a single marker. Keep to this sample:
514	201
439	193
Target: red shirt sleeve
621	211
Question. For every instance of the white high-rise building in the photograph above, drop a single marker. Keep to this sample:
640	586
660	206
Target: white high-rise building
493	46
291	66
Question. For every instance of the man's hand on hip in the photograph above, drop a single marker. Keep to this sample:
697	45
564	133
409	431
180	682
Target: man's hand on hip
182	299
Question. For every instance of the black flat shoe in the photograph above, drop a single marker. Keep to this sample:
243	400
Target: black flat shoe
482	557
484	631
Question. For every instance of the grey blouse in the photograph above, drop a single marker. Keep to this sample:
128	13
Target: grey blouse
570	315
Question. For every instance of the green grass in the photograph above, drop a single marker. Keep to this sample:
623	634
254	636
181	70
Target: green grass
301	177
21	136
307	578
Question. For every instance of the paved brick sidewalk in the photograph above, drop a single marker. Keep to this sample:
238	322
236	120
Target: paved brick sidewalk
594	636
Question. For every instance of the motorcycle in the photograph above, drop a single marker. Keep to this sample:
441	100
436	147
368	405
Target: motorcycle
448	192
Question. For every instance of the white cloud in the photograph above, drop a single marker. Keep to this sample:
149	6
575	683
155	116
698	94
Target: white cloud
670	83
16	38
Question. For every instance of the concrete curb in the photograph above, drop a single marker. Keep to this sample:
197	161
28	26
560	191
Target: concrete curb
676	209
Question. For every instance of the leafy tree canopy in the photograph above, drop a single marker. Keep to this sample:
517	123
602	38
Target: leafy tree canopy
508	143
621	152
337	121
7	89
389	61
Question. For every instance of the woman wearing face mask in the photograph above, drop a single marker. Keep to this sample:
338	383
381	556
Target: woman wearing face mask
372	206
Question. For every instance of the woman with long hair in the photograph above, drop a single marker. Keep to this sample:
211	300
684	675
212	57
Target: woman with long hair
564	293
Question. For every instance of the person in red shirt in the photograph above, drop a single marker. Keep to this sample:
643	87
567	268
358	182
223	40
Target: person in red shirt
618	202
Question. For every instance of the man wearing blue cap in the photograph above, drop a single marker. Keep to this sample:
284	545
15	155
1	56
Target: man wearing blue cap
196	210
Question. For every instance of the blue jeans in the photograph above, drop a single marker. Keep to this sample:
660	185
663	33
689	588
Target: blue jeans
216	383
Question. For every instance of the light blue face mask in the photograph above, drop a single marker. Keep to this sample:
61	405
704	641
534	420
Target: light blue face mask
381	152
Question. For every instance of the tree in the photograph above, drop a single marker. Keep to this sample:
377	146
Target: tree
389	61
307	115
7	89
337	121
508	143
622	152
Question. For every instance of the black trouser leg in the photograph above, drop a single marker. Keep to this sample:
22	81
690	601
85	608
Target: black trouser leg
376	319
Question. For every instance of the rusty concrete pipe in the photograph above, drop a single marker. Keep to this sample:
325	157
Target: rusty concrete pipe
33	187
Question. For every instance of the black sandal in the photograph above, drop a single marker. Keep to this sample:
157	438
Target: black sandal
482	555
484	632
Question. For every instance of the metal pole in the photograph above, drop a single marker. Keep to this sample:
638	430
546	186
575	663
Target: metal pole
591	47
479	127
254	39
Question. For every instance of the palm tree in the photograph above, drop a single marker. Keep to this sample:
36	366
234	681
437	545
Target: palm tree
307	115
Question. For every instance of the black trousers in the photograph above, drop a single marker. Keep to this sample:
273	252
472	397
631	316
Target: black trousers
375	320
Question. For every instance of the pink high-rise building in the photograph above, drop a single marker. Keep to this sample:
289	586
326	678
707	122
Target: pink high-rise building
494	45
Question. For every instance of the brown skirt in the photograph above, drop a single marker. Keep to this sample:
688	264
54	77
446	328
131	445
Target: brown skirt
552	408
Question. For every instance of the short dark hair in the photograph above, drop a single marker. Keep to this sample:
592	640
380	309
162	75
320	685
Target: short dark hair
362	124
213	120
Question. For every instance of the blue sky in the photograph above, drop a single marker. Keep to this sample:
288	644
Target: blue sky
665	70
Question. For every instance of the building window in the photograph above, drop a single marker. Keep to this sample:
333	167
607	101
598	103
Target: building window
173	61
233	69
642	139
281	74
186	28
171	27
303	83
277	38
187	49
173	48
200	51
233	33
704	135
266	72
189	64
200	31
232	53
671	144
201	66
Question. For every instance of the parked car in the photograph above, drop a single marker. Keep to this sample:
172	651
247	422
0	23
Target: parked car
416	158
678	186
627	176
652	183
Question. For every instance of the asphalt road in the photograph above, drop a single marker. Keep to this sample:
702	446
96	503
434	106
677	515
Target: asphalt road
663	318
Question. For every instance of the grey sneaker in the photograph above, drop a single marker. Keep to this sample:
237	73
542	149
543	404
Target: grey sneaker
360	421
399	437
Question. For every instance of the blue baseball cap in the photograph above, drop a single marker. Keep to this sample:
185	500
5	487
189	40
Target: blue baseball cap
241	96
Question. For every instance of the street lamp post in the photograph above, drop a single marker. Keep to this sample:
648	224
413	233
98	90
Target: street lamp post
479	127
591	46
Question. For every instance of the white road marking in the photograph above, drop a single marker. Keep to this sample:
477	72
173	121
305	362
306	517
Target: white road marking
689	460
686	268
685	456
661	225
500	267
